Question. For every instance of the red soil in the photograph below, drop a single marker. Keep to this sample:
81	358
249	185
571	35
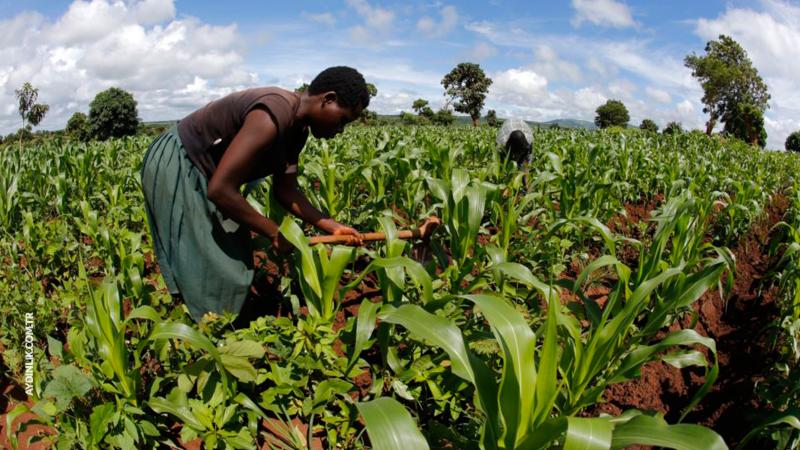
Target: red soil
744	351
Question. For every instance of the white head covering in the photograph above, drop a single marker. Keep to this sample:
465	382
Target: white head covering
511	125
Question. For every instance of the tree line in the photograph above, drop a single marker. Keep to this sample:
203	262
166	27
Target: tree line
734	95
112	114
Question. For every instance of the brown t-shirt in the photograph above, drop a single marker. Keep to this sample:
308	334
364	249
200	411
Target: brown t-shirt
207	132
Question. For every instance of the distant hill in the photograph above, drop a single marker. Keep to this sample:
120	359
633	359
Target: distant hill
465	120
571	123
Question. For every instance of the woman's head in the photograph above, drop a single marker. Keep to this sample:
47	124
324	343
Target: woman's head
518	148
337	96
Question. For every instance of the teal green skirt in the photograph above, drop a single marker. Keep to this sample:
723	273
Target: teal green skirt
204	257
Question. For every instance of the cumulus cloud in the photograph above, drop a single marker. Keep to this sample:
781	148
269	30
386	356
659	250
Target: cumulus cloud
432	28
377	22
549	64
171	66
603	13
658	95
771	37
518	84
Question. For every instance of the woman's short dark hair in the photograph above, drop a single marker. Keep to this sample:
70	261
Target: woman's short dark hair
349	85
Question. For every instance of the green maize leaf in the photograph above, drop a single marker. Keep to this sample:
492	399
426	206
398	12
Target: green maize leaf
292	232
441	333
643	354
518	382
185	332
555	162
438	188
458	184
789	418
143	312
176	404
415	270
434	330
523	274
646	430
546	389
333	268
686	358
365	325
588	434
603	261
390	426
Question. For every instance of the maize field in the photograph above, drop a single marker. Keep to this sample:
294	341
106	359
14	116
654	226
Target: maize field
625	289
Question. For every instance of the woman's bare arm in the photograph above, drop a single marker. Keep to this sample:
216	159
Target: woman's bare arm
239	164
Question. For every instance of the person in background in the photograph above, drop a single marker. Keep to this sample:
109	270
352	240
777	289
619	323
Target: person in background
515	142
192	174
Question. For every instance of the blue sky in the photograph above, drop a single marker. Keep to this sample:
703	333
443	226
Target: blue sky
548	59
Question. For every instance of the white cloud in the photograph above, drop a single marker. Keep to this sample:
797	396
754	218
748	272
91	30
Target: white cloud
431	28
378	22
324	18
602	12
771	37
481	51
549	64
171	66
589	98
685	107
658	95
518	84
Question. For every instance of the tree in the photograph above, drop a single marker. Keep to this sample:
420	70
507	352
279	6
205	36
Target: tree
408	119
491	118
302	88
648	125
443	117
418	105
113	114
746	122
673	128
30	111
365	113
78	127
728	78
467	85
793	142
612	113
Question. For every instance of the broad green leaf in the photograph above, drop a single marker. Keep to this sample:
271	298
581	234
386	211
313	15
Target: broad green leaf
176	404
68	383
365	324
239	367
646	430
434	330
292	232
518	383
244	348
390	426
98	421
588	433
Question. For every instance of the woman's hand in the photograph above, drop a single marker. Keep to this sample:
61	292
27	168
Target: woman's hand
344	230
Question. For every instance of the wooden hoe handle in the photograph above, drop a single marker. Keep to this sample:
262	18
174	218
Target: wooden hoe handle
424	231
